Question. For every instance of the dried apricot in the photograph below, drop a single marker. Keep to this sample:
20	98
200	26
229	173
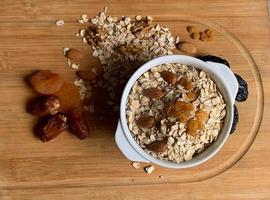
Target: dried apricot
70	97
202	116
183	117
183	106
192	127
46	82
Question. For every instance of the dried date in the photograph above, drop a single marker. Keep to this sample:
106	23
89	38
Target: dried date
242	93
78	124
235	119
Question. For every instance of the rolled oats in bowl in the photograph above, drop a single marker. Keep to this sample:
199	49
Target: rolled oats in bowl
175	111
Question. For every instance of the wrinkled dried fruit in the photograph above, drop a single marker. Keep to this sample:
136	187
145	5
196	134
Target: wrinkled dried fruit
235	119
192	29
78	124
46	82
168	76
157	146
74	54
202	116
146	122
187	47
203	36
45	105
242	93
153	93
87	75
183	117
183	106
193	95
185	83
192	127
51	126
209	32
214	59
69	96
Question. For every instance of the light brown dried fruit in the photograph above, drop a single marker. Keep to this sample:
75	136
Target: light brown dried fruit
87	75
193	95
146	122
69	96
74	54
169	76
195	36
202	116
186	47
203	36
185	83
46	82
192	127
183	117
50	127
208	32
45	105
157	146
78	124
153	93
183	106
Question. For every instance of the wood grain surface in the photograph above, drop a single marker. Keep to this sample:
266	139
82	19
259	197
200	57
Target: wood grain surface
67	168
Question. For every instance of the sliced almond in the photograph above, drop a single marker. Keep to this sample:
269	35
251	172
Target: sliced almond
149	169
136	165
146	122
153	93
74	54
169	76
87	75
157	146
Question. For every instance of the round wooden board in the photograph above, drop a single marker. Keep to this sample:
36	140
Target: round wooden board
67	161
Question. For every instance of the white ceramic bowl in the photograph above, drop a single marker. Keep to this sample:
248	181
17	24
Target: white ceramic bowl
227	85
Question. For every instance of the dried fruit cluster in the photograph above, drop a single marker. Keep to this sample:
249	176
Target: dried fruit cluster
196	34
58	107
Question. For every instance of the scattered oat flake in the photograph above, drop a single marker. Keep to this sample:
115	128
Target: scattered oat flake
136	165
149	169
75	66
60	22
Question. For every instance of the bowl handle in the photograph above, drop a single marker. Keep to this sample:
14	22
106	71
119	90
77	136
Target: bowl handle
227	77
125	147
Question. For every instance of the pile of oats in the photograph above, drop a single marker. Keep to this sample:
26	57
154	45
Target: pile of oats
122	45
180	145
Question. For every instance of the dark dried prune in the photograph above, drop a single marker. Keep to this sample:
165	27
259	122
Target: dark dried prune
214	59
242	93
235	119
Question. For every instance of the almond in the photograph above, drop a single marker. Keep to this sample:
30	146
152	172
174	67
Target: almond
153	93
157	146
74	54
87	75
146	122
169	76
187	47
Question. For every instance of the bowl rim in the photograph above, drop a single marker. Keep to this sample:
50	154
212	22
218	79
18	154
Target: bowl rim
123	120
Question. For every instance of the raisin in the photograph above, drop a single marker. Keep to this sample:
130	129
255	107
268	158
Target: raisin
242	93
235	119
214	59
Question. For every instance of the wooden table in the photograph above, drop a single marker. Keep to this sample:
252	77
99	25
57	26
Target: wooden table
30	40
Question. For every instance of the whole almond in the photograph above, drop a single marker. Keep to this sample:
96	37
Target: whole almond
74	54
87	75
169	76
153	93
187	47
146	122
157	146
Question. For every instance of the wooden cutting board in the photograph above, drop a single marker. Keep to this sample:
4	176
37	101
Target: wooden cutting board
67	168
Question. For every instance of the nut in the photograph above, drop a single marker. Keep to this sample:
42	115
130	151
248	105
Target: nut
149	169
44	105
146	122
78	124
157	146
153	93
87	75
136	165
74	54
169	76
187	47
51	126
